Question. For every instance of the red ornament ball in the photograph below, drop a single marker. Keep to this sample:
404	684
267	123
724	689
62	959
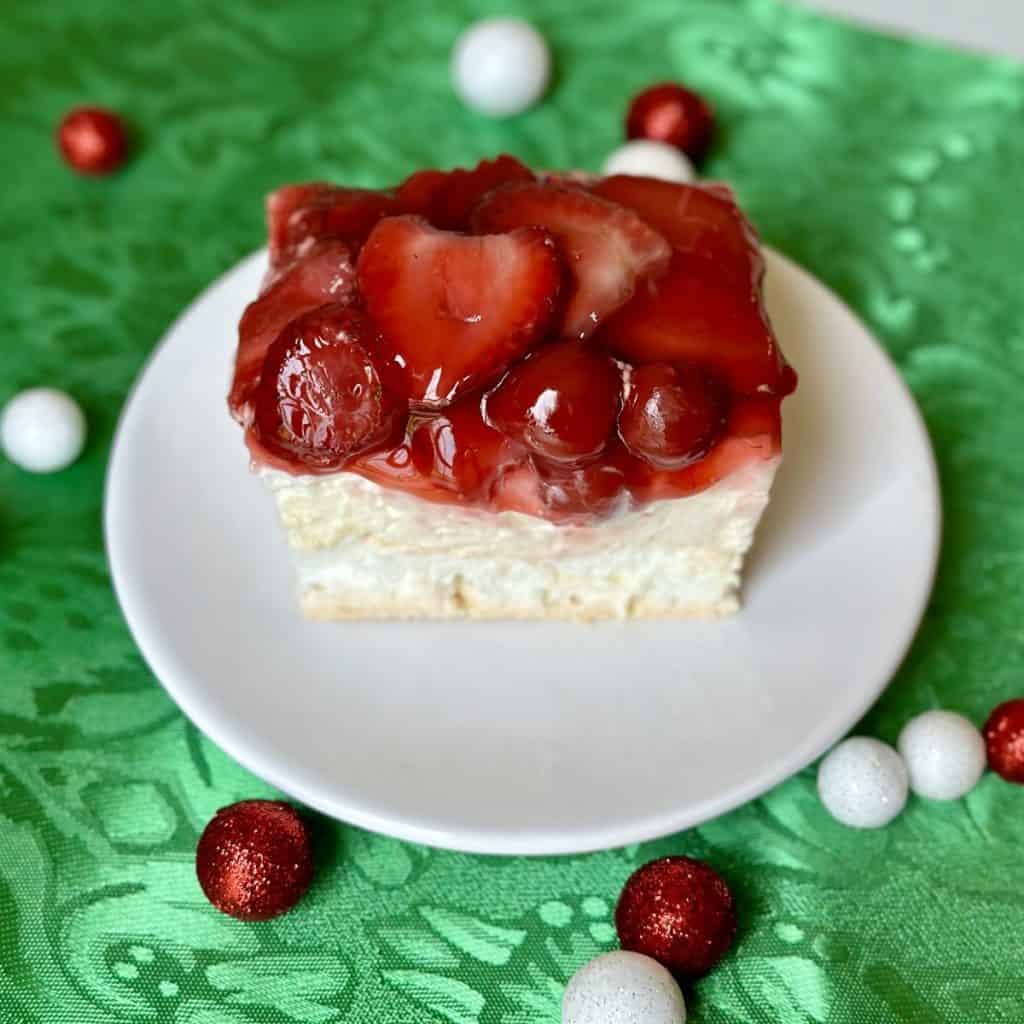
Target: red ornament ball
92	140
672	113
678	911
1004	740
255	859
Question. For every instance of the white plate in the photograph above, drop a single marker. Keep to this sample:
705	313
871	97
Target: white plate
528	738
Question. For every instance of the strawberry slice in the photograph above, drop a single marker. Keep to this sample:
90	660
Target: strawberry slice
700	219
446	198
706	309
456	310
607	247
299	215
325	274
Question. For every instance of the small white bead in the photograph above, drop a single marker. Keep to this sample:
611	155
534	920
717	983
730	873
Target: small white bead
944	753
863	783
623	988
501	66
645	158
42	430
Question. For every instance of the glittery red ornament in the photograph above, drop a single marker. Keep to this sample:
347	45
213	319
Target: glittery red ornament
255	859
679	911
1004	740
92	140
673	114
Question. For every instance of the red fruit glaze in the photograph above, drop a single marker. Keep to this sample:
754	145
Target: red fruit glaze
473	394
707	308
672	113
607	248
92	140
678	911
320	397
325	274
560	402
446	198
1004	740
672	414
300	215
455	310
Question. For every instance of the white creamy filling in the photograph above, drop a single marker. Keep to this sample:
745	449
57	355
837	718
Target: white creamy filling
362	545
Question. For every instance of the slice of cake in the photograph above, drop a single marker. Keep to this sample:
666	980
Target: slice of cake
494	394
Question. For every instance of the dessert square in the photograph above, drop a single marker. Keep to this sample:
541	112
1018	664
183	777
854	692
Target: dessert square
490	393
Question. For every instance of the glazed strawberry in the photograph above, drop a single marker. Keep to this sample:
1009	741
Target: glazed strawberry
672	415
706	308
446	198
299	215
456	310
320	397
607	248
325	274
459	452
560	402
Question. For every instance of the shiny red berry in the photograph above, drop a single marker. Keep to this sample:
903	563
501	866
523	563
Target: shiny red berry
672	415
672	113
254	860
560	402
580	493
320	396
1004	740
678	911
92	140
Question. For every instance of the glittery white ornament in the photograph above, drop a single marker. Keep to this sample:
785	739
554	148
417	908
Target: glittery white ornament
647	159
501	66
863	783
623	988
944	754
42	430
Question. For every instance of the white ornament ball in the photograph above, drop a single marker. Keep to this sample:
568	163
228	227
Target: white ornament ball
863	783
623	988
501	66
645	158
944	754
42	430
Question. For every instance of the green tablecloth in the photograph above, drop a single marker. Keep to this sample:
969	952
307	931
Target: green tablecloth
893	171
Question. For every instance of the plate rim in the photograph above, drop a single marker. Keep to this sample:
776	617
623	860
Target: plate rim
485	841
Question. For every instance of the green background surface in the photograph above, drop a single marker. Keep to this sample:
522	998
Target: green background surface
892	170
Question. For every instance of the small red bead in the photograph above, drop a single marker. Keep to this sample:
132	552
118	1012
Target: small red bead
673	114
254	860
1004	740
678	911
92	140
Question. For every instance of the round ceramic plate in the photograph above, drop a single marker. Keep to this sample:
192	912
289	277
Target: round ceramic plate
528	737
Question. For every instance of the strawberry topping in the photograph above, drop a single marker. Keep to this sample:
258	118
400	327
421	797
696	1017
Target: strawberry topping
608	249
300	215
456	310
563	348
325	274
446	198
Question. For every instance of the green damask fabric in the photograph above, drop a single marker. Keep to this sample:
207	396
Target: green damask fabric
893	171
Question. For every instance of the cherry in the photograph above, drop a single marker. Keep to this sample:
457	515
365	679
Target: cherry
458	451
559	402
672	415
674	114
320	397
580	493
92	140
